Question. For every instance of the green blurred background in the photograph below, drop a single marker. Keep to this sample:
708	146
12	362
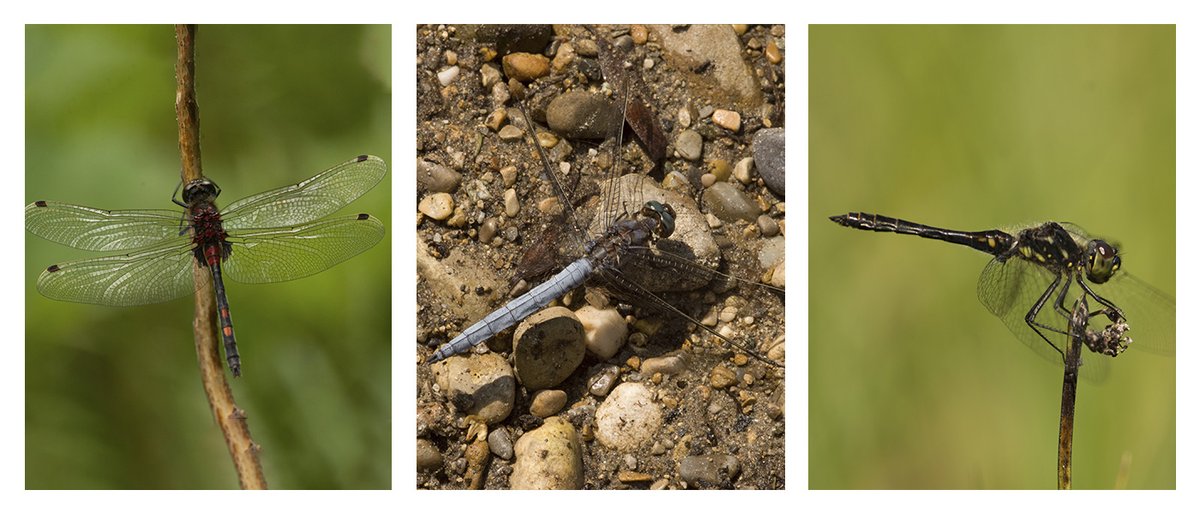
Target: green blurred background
113	399
912	383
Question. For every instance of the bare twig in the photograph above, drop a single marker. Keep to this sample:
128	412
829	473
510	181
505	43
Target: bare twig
229	417
1078	331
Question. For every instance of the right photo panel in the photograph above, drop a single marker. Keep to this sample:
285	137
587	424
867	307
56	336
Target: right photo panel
1025	339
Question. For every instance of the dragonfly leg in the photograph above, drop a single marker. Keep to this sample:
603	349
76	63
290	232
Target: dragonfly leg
1031	316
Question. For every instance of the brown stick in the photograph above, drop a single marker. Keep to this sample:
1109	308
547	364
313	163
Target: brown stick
229	417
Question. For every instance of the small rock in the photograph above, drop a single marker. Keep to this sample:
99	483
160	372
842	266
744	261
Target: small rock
740	29
483	384
630	461
587	48
715	470
720	169
639	34
706	111
512	206
547	139
686	115
446	76
487	230
564	57
451	57
628	417
722	377
669	364
500	95
500	443
659	484
772	52
549	457
511	133
582	115
778	352
547	402
525	66
729	120
647	63
600	384
428	456
768	151
778	276
509	175
767	226
772	252
729	203
631	477
742	170
438	206
435	178
689	145
496	119
604	330
547	347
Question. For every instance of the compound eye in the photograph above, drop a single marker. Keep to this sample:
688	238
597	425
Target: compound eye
200	189
1103	261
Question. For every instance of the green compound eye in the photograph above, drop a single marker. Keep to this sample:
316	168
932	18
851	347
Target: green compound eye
1103	261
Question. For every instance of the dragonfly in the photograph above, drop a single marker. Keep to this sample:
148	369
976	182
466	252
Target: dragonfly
1036	268
274	236
627	246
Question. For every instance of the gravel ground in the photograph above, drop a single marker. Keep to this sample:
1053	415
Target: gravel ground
712	415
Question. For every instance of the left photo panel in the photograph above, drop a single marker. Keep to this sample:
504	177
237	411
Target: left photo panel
208	285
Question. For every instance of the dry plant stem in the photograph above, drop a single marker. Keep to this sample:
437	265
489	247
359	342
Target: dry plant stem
1066	420
229	417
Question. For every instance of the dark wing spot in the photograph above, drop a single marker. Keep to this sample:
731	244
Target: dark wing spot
363	216
52	268
40	203
361	158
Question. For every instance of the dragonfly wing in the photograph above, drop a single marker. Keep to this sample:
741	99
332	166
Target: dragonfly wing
312	199
276	255
153	275
100	230
1149	312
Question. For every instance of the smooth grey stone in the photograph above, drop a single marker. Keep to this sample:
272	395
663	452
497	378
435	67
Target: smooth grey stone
769	157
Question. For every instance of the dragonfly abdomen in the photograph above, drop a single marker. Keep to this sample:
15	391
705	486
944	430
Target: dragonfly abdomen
995	242
517	309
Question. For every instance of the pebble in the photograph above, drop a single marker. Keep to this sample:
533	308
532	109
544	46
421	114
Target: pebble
689	144
729	204
500	443
549	457
564	57
722	377
742	170
604	330
669	364
720	169
525	67
482	382
778	351
435	178
600	384
768	151
451	57
707	180
686	115
511	133
778	276
587	48
509	175
706	111
547	139
740	29
512	207
438	206
713	470
547	347
728	314
632	477
639	34
729	120
428	456
630	461
659	484
500	95
647	63
487	230
446	76
582	115
772	252
767	226
628	417
547	402
496	119
772	53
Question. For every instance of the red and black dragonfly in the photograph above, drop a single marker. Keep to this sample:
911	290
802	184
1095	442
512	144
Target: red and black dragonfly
273	236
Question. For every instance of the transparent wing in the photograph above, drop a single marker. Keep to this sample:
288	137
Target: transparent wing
314	198
100	230
276	255
1149	312
1009	289
153	275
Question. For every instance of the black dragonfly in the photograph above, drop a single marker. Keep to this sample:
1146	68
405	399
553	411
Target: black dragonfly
1034	270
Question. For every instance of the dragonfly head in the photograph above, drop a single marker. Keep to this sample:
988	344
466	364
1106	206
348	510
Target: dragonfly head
1102	261
201	189
665	216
